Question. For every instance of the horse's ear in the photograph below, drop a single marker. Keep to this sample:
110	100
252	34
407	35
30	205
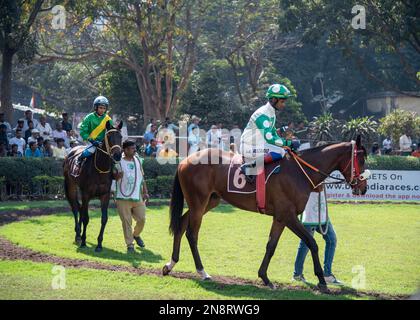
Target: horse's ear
108	125
120	125
359	141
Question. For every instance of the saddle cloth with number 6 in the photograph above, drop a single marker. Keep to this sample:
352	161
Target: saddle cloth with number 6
236	179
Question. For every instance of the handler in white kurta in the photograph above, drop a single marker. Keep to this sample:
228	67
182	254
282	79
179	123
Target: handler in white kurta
131	193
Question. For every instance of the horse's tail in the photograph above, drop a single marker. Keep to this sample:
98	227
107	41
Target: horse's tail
177	206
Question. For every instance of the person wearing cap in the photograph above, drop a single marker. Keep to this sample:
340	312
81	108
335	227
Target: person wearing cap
34	135
131	194
93	127
260	138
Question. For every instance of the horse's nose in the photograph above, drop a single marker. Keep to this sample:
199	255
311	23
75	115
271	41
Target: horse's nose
117	156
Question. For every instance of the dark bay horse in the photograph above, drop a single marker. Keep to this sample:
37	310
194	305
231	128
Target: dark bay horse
204	185
94	181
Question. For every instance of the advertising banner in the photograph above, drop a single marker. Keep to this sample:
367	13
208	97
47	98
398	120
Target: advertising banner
384	185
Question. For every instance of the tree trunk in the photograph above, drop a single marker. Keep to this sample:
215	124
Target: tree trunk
6	85
150	101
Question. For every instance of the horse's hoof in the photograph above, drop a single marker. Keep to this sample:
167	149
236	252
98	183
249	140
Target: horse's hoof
323	288
165	270
272	286
98	249
207	278
78	241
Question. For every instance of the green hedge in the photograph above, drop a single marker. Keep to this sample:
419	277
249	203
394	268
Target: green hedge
44	176
393	163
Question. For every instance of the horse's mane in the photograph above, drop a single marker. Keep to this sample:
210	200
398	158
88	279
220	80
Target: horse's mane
319	148
315	149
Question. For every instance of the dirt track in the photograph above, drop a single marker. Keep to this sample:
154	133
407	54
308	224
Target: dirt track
10	251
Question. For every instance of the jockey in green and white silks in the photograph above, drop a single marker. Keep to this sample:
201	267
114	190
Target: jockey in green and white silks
93	127
260	138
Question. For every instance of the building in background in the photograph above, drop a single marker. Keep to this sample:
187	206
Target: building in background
382	103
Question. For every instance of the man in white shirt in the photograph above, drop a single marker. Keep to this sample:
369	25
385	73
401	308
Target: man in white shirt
387	145
131	194
405	145
44	128
19	141
29	116
59	133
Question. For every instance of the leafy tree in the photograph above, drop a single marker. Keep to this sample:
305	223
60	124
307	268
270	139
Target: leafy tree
399	122
392	29
324	128
240	32
154	39
364	126
206	99
16	38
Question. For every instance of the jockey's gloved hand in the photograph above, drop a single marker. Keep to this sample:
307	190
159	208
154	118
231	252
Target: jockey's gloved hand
94	142
295	144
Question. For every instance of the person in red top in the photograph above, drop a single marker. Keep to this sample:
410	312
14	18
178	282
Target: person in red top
416	153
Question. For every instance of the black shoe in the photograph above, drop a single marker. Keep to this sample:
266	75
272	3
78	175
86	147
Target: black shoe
139	242
130	249
248	178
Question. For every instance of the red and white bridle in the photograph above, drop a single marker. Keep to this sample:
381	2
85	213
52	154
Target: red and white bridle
355	175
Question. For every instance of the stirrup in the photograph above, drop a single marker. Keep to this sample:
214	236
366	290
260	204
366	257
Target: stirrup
248	178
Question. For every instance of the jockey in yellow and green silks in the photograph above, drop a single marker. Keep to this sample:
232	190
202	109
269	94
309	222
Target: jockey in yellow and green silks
260	138
93	127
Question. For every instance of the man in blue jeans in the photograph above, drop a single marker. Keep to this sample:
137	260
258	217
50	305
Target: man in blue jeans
311	222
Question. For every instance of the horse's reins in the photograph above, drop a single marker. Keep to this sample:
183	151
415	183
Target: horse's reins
107	151
355	174
355	170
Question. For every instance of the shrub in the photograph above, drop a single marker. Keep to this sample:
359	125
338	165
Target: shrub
393	163
399	122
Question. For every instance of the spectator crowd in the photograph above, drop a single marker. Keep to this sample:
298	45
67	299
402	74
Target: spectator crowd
32	138
38	138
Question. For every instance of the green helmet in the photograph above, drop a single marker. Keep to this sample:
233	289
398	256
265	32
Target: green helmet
278	91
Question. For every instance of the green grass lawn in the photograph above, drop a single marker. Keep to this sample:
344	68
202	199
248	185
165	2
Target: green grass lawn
381	239
28	280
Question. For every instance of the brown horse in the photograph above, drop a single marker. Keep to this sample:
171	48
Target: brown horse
94	181
203	185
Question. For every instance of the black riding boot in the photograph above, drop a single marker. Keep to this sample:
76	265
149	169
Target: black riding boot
250	178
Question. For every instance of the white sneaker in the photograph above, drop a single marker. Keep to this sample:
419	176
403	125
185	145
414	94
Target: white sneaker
300	278
333	280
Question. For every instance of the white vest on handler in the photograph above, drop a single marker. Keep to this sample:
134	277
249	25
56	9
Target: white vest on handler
129	186
310	215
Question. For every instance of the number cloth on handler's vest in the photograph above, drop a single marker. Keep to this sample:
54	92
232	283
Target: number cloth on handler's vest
129	186
310	215
94	126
